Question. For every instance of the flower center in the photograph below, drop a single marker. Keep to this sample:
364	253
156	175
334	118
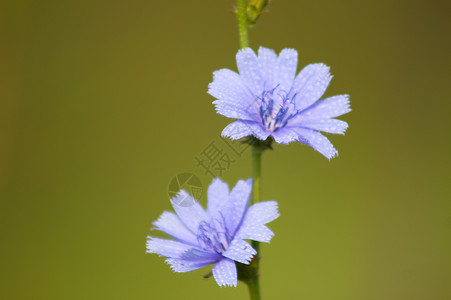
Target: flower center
213	236
276	108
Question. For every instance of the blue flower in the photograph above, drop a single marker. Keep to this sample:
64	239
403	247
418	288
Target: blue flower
268	99
216	235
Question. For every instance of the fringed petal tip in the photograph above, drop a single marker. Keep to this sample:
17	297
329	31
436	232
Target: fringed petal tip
182	266
240	251
225	273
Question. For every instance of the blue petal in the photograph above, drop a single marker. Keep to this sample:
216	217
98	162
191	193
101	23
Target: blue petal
199	255
267	59
164	247
327	125
285	69
225	273
257	215
189	211
259	233
239	129
262	213
218	196
258	130
234	211
227	85
317	141
249	70
310	84
285	136
181	265
327	108
240	250
235	110
170	224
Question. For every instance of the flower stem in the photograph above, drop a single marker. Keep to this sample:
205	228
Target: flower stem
253	283
256	173
254	289
251	270
242	23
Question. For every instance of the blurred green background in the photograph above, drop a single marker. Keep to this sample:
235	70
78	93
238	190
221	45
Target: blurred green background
102	103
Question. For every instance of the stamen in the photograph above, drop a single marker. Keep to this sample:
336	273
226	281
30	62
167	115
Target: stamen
213	236
276	109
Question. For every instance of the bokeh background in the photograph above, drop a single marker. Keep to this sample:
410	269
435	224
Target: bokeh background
102	103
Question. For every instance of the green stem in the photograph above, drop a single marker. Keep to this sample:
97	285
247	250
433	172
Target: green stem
242	23
254	289
256	173
251	269
253	284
